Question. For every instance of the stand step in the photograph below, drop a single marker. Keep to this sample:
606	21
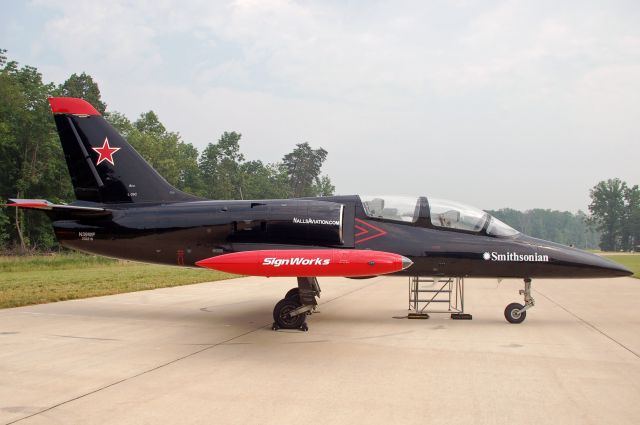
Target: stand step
434	290
424	291
431	301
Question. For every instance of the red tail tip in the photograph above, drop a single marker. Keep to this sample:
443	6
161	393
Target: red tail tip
71	105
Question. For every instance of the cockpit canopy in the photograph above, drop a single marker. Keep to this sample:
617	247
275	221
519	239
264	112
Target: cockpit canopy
437	213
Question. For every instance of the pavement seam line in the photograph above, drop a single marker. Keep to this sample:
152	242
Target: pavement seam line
351	292
144	372
595	328
133	376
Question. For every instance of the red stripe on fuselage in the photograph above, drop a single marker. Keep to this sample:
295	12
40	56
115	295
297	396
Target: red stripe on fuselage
367	231
362	231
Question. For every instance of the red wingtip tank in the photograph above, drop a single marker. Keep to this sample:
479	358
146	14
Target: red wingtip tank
308	262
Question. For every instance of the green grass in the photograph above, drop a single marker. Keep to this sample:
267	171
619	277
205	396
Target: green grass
631	261
43	279
48	278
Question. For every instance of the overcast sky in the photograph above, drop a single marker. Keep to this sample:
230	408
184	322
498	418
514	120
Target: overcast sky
490	103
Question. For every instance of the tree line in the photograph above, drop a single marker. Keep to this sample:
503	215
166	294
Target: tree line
33	164
612	225
558	226
615	212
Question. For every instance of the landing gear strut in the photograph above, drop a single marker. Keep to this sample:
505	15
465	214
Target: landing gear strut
291	312
516	313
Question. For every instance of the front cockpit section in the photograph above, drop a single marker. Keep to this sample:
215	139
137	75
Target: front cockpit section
454	215
435	213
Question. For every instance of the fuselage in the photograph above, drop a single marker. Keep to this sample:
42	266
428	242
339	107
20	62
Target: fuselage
182	233
125	209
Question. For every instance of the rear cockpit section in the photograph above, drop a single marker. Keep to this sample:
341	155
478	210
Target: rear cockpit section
435	213
396	208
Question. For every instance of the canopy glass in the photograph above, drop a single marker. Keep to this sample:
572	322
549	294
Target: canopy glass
442	214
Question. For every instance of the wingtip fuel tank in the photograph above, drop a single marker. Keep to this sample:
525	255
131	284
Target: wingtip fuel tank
308	262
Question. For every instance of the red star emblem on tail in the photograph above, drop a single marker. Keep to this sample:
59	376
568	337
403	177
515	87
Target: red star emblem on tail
106	152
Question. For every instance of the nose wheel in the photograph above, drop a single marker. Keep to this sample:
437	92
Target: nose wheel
515	312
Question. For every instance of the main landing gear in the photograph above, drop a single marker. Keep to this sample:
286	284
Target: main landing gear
291	312
516	313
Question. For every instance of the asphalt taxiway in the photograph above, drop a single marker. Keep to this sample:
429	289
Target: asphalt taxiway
206	354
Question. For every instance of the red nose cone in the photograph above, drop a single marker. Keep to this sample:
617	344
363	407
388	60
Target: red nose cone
308	262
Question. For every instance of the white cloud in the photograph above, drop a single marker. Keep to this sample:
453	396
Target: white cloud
427	94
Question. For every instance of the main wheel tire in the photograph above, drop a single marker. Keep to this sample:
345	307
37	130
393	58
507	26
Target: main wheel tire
293	294
514	314
283	319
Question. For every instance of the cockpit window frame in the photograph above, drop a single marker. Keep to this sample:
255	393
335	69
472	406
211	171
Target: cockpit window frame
500	222
367	211
424	220
486	217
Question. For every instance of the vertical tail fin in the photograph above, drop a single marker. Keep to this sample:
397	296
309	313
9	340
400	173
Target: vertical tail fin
105	168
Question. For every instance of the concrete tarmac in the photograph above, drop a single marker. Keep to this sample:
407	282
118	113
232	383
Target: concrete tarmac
206	354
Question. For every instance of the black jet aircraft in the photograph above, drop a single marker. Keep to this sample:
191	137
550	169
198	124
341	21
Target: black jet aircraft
125	209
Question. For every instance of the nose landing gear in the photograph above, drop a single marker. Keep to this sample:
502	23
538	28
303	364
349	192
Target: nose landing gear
515	312
292	311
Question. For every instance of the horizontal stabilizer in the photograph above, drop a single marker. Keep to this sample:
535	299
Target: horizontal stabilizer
44	205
